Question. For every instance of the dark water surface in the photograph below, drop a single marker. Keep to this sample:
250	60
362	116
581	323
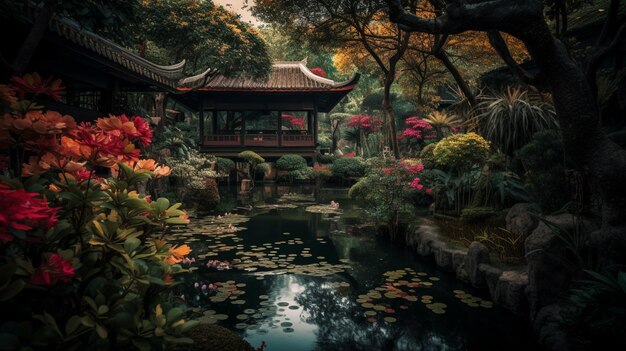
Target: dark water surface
318	281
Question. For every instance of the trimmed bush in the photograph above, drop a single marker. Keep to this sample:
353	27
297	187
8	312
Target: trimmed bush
349	167
461	151
251	157
427	156
291	163
224	165
326	159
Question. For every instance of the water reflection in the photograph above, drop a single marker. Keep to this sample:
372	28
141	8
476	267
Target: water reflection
300	276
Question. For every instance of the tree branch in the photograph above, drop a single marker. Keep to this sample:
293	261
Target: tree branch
498	43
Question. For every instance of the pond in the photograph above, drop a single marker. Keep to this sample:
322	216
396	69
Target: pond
303	279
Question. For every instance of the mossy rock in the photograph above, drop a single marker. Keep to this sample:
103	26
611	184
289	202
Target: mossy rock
472	214
209	337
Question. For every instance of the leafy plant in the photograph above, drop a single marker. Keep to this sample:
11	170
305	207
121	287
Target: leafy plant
543	160
597	308
84	263
461	151
443	122
349	167
253	162
509	119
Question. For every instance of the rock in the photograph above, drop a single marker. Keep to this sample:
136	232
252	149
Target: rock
491	277
519	219
476	255
510	292
461	273
443	258
548	327
551	264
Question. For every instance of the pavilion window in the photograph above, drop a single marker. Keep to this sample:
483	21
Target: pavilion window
260	121
295	122
227	122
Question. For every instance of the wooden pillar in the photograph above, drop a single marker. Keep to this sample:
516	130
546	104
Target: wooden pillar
243	129
201	117
313	122
279	133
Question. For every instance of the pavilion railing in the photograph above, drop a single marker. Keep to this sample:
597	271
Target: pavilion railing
222	140
297	140
261	140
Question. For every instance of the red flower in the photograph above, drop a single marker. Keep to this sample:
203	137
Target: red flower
296	122
33	83
21	211
53	270
349	155
417	128
368	123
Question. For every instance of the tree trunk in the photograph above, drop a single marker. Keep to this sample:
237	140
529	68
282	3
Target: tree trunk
30	44
391	121
458	78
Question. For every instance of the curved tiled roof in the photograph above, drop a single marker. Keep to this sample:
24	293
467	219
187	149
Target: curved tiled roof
285	76
168	76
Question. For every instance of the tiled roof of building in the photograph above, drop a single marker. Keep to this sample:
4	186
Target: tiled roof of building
168	76
285	76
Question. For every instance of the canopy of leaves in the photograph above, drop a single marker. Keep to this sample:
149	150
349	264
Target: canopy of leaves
206	35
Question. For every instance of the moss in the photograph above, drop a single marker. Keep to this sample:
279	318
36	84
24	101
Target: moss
470	214
209	337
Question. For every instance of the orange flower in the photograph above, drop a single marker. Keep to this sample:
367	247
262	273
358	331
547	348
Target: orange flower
145	165
177	254
168	279
185	217
162	171
32	167
113	124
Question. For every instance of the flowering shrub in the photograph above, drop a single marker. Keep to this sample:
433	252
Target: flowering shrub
417	130
367	124
390	190
461	151
82	254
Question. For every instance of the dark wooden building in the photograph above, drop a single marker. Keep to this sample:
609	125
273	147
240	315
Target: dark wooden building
271	117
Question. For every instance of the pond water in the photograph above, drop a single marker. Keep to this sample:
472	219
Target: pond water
302	280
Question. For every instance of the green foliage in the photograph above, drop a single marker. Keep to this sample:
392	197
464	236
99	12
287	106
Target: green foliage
349	167
207	196
208	36
224	165
461	151
427	156
545	170
509	120
291	163
476	213
326	159
178	142
597	308
251	157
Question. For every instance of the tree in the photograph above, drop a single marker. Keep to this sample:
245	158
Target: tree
206	35
586	145
350	25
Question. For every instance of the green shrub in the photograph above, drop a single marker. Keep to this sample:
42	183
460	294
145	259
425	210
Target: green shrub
204	194
427	156
251	157
545	171
326	159
471	214
349	167
461	151
291	163
224	165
